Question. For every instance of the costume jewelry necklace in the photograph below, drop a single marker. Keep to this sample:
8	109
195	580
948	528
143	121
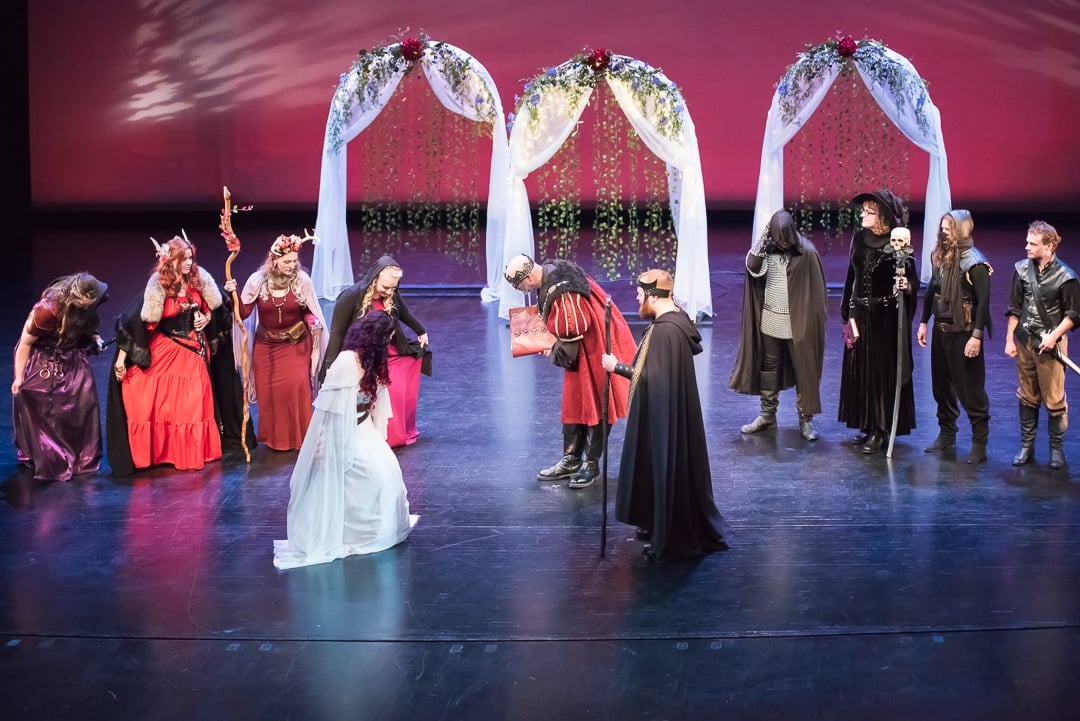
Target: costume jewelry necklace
279	306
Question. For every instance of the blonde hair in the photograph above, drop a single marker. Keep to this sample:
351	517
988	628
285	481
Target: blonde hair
369	294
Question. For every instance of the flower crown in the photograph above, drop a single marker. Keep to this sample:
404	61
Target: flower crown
162	251
285	244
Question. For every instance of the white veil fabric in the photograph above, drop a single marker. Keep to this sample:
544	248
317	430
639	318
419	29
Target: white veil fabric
346	494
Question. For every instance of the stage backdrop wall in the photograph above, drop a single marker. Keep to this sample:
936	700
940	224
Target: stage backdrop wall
139	102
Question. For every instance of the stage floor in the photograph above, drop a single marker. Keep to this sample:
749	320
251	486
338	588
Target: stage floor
855	587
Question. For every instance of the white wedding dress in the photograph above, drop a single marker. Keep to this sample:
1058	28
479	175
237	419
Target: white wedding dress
346	494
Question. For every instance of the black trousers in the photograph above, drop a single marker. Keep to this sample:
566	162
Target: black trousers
959	381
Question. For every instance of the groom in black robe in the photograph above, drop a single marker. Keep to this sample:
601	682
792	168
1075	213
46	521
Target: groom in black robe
665	485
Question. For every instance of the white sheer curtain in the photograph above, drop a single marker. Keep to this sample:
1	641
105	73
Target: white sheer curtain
530	147
770	193
475	86
687	195
770	189
938	193
533	144
331	268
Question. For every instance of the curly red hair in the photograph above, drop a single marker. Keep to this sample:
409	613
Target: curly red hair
168	267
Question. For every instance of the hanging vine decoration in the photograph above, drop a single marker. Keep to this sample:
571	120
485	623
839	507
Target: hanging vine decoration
419	191
848	144
626	236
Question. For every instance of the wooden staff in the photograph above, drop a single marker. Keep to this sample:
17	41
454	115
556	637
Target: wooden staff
604	427
233	244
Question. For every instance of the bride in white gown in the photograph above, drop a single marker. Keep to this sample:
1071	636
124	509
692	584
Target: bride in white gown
346	494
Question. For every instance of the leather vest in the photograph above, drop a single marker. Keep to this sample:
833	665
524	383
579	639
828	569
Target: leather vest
970	258
1050	279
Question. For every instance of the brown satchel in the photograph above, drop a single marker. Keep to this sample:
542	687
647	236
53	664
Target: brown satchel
296	332
528	334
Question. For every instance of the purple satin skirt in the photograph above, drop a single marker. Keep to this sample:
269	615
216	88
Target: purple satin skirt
56	415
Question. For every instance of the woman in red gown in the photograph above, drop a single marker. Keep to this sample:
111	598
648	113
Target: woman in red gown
287	345
378	290
162	366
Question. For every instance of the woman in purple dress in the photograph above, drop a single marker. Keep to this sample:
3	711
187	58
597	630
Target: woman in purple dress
54	399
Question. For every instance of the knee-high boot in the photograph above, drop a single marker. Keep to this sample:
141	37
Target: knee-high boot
1057	426
1029	425
590	466
574	436
770	400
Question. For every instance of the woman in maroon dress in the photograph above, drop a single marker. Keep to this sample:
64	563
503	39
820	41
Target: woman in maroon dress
378	290
288	342
162	367
54	400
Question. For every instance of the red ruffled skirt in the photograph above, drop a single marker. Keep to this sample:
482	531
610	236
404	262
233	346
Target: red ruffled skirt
170	408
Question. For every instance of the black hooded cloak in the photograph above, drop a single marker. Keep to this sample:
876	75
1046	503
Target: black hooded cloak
809	313
665	485
347	310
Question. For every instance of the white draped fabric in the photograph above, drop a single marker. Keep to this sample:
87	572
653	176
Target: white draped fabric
346	494
533	144
530	148
770	193
331	268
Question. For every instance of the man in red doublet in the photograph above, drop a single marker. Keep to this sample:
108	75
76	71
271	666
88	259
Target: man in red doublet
572	305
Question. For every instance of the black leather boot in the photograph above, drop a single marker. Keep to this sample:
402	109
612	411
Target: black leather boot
946	440
770	400
876	442
980	434
574	436
1057	426
590	466
977	455
1029	426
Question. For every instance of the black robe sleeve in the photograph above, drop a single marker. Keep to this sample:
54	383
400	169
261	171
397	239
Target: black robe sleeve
344	311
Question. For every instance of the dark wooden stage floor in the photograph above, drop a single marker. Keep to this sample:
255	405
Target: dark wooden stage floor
856	587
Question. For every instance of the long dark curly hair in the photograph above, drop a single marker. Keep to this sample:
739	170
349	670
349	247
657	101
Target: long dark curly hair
370	337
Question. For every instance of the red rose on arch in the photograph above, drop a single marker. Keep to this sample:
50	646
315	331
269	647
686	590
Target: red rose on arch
599	59
846	46
412	49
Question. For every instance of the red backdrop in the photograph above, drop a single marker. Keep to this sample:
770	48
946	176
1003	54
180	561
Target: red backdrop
158	103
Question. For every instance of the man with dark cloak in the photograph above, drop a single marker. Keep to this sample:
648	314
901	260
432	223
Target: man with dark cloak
665	485
782	340
573	308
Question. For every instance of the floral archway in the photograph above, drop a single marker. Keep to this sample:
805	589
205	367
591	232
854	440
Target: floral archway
896	87
654	106
461	84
